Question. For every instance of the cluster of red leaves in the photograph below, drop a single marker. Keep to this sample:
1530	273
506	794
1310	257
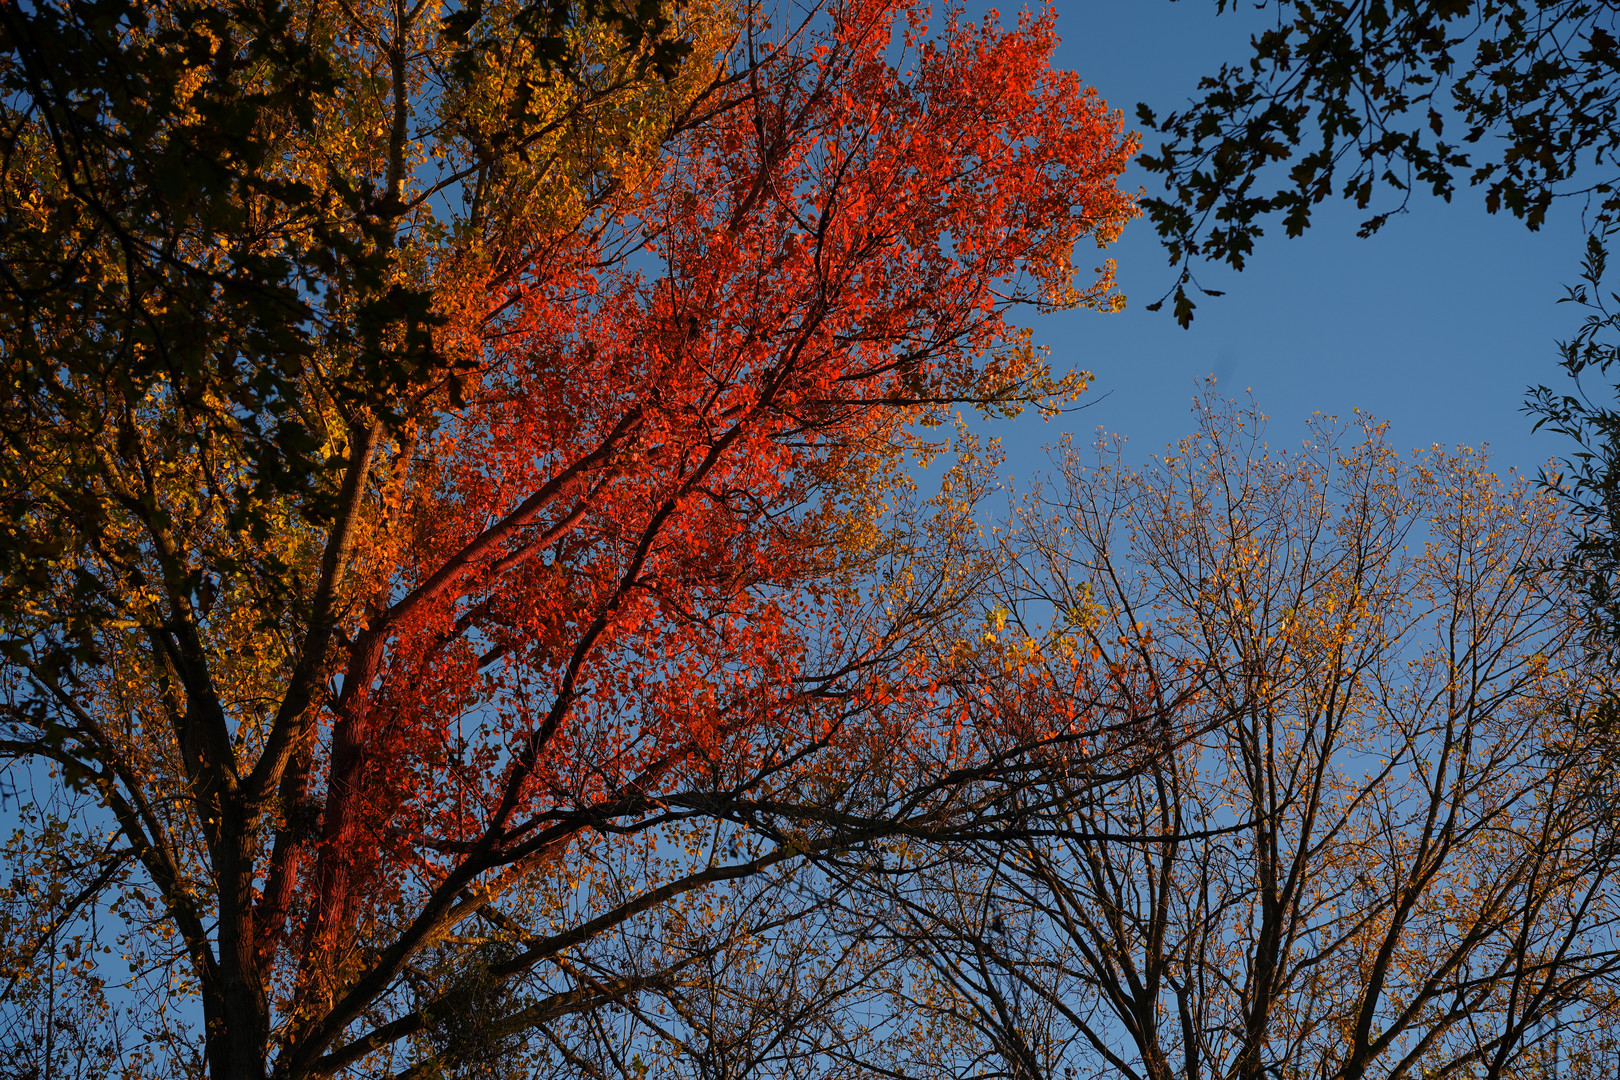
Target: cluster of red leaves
623	554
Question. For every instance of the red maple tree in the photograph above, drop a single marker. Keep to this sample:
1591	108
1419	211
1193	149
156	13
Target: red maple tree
624	576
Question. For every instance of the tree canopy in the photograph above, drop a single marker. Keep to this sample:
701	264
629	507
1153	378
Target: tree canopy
496	583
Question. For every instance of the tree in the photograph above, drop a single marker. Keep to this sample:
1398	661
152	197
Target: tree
1389	848
551	591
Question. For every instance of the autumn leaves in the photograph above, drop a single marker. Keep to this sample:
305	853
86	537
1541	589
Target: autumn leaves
589	690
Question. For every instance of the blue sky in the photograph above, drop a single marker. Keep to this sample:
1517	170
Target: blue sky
1437	324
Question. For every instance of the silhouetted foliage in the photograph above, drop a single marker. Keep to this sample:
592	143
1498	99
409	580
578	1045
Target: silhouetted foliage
1369	100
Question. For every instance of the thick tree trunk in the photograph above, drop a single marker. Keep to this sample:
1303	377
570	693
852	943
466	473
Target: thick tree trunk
238	1049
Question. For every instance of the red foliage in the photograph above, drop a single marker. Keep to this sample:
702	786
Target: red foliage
621	559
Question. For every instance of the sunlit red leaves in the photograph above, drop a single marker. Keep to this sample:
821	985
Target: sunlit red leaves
610	553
